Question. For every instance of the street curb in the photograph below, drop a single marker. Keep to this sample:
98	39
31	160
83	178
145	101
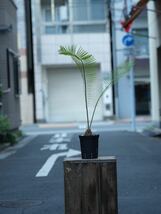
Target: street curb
4	146
21	143
152	133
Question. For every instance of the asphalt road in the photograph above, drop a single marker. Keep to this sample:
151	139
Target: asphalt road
28	185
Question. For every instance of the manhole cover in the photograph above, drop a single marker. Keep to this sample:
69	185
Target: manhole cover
20	203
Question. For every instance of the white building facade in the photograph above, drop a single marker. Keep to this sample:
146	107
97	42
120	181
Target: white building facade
58	83
26	98
132	93
154	23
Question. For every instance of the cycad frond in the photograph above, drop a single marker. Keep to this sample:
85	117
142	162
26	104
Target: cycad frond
86	63
77	54
87	66
118	73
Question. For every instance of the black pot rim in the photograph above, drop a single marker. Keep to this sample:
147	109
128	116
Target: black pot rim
93	135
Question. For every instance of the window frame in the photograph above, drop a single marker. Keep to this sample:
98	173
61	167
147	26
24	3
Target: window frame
70	23
13	61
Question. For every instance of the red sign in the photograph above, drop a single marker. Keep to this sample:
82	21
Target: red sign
135	11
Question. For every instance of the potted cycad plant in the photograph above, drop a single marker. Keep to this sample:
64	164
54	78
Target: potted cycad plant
87	65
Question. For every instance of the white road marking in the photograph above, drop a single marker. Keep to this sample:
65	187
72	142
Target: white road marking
62	146
57	135
59	138
44	171
55	147
64	135
49	147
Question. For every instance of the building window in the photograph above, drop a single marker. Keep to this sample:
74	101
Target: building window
16	75
57	29
47	15
13	70
93	28
85	16
141	42
8	68
54	11
88	10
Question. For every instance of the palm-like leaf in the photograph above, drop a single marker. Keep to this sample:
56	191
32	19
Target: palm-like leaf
83	60
87	66
118	73
77	54
86	63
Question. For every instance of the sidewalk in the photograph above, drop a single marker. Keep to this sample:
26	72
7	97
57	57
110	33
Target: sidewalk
107	125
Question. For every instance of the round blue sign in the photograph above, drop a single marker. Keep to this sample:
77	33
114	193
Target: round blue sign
128	40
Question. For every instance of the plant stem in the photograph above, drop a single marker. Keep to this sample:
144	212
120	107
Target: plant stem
85	93
93	113
110	83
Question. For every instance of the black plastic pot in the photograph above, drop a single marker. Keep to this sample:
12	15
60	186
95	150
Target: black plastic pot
89	146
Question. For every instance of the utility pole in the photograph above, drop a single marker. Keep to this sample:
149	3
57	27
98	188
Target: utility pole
30	53
132	80
111	14
132	85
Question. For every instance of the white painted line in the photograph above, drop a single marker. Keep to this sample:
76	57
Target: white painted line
44	171
62	146
55	147
57	135
43	132
64	135
59	140
82	126
49	147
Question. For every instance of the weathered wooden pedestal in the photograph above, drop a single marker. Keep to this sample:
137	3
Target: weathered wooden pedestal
90	186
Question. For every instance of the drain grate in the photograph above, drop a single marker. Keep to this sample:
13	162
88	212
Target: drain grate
20	203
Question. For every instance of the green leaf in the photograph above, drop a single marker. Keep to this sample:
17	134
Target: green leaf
87	65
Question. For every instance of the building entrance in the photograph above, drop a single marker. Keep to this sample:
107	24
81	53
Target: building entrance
142	96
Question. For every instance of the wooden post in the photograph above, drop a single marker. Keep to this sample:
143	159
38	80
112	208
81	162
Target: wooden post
90	186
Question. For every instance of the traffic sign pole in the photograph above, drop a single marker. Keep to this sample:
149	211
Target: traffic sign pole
128	41
133	109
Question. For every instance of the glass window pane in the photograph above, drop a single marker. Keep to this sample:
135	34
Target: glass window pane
48	15
89	28
50	30
61	13
79	9
59	29
97	10
45	3
141	42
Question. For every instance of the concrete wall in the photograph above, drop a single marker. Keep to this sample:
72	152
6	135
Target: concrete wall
96	44
46	54
8	39
154	32
123	92
26	99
